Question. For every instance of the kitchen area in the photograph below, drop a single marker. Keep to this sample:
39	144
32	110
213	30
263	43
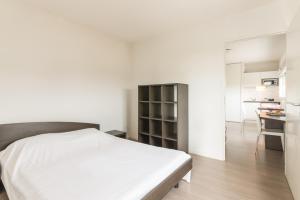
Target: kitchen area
261	94
256	89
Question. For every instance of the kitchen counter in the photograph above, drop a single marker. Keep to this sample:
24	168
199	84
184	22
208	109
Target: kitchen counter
270	108
250	101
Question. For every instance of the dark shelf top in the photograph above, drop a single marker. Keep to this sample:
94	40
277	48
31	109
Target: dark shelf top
144	101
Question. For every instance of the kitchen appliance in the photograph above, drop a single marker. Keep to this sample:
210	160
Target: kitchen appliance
270	81
269	99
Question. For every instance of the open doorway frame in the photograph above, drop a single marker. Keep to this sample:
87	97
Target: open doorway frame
240	80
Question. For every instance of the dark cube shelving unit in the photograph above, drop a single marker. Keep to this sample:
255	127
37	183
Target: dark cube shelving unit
163	115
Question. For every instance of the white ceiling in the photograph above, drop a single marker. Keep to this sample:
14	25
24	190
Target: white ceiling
262	49
132	20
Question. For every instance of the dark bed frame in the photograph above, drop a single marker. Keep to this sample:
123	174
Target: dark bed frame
10	133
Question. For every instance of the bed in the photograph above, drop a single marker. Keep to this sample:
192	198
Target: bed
65	160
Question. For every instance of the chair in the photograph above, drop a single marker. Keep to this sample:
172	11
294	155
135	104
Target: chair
248	114
262	131
244	120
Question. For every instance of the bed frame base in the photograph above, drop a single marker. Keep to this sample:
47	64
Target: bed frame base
172	181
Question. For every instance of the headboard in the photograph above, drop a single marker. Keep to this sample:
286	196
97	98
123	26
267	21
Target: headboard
12	132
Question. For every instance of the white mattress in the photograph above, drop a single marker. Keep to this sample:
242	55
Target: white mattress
84	165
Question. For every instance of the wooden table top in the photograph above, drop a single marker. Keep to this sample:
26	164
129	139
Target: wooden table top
264	115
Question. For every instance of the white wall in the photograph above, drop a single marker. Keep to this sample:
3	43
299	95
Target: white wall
292	153
290	8
54	70
196	56
233	77
255	50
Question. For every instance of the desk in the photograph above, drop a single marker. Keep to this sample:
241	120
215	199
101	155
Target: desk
273	122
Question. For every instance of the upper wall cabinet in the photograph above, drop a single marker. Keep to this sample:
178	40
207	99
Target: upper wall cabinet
271	74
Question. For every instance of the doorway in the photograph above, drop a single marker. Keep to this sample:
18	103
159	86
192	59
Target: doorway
255	85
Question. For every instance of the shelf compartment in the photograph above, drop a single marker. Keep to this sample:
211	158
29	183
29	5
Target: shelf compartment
170	130
170	112
144	109
144	138
156	128
155	93
155	110
170	93
170	144
144	126
155	141
143	93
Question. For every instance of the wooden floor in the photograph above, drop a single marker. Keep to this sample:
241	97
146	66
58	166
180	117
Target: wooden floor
240	177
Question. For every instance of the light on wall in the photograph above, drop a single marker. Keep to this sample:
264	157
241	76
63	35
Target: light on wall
260	88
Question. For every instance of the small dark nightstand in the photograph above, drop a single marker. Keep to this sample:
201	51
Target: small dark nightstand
117	133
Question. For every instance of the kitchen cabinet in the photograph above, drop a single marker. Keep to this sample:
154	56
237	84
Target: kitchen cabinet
249	110
270	74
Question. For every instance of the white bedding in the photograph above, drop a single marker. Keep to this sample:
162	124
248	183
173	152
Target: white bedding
84	165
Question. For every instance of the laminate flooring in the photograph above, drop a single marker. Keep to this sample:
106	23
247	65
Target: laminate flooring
241	176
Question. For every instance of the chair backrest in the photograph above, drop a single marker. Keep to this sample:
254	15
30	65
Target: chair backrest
258	121
244	112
